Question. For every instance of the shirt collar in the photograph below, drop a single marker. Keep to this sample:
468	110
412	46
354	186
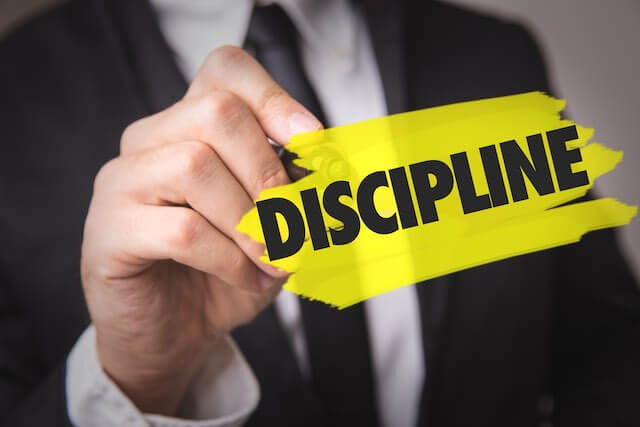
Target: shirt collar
199	26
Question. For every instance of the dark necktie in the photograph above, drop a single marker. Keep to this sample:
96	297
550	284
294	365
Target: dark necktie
337	340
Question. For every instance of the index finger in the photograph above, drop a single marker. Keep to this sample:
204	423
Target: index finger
232	69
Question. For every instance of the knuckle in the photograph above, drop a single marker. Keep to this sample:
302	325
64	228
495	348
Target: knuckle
233	264
226	54
271	175
105	175
129	136
92	272
184	230
193	158
219	104
272	99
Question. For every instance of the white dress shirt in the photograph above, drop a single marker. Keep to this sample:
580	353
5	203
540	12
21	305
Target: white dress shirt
340	64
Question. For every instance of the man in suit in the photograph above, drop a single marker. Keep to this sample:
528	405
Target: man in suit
113	118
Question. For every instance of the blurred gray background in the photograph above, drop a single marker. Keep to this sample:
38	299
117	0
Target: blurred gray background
593	53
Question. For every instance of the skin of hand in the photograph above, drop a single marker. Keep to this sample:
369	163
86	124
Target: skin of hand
165	273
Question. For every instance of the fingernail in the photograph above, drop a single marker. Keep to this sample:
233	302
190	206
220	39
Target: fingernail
303	122
274	271
267	282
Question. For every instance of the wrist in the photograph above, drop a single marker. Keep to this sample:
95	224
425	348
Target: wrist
155	383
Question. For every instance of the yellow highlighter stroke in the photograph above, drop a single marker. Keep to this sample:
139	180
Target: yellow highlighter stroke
374	263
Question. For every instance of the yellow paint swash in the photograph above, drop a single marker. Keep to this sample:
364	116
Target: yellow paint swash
373	263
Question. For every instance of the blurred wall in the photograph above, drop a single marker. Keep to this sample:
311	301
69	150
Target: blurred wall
13	12
593	53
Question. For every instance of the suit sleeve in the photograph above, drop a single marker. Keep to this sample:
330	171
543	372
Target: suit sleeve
25	398
596	357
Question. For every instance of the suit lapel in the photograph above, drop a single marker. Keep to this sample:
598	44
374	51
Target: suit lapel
151	65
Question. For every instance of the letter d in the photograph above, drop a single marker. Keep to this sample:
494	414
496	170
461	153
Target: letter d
267	210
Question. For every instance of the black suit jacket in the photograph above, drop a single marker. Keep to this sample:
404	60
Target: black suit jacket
554	333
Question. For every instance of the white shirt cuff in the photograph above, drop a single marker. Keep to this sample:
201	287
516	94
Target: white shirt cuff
224	394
